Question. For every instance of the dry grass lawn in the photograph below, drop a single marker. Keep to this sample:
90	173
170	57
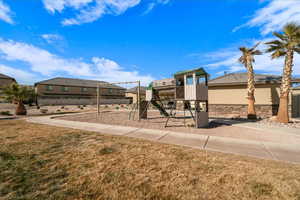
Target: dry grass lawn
43	162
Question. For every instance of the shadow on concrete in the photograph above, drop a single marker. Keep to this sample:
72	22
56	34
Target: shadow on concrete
230	121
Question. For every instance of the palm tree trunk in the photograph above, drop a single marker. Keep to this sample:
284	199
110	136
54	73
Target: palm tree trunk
283	111
20	109
251	88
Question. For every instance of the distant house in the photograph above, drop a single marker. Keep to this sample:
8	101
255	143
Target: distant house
296	101
69	91
132	93
5	81
227	94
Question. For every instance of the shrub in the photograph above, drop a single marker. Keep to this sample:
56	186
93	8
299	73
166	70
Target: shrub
7	113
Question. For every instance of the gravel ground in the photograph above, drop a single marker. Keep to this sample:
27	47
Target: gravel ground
155	121
271	123
33	111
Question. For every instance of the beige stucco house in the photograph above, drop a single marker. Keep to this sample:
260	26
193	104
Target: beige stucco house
69	91
227	94
132	94
296	101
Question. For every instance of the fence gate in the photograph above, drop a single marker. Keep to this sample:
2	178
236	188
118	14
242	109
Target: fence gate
296	105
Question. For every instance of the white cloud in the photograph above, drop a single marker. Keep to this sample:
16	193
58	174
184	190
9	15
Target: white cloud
153	4
47	64
228	59
5	13
111	71
52	38
89	10
60	5
55	40
41	60
275	15
272	17
20	75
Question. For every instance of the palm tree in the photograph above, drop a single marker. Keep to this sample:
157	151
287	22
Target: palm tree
287	44
18	94
247	59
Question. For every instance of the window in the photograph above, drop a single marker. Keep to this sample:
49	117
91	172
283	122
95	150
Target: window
180	82
64	89
189	80
49	87
201	80
84	89
110	91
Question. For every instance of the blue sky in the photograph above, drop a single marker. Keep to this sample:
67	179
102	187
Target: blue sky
127	40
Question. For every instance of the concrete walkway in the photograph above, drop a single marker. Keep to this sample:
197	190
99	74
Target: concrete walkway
261	127
265	150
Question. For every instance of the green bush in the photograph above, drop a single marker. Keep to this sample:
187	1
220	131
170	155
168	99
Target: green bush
7	113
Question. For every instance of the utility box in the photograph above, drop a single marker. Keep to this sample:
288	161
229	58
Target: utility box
191	85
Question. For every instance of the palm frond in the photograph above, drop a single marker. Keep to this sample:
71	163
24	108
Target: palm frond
243	49
278	54
297	49
273	48
242	59
257	52
290	29
255	46
280	36
275	42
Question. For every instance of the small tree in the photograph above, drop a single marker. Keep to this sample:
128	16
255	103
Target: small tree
18	94
247	59
287	44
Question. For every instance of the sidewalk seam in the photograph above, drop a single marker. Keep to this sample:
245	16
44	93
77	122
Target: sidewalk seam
268	151
126	134
206	142
161	137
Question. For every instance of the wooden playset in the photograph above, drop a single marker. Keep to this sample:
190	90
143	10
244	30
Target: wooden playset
189	88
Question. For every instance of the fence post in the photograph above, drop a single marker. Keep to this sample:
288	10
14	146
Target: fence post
139	99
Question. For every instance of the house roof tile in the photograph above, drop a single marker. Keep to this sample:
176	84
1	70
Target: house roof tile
134	90
78	83
5	76
241	78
